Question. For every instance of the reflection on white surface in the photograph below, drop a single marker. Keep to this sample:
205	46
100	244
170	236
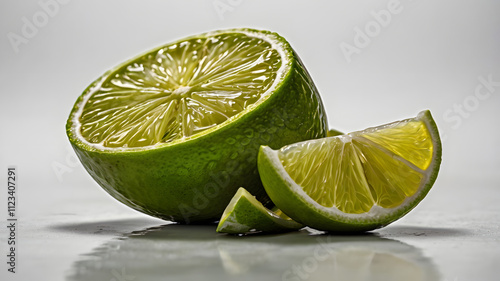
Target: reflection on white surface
178	252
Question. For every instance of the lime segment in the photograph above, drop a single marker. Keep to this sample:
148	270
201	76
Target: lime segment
393	137
363	168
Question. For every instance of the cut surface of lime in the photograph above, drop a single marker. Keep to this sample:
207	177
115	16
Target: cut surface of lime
245	214
359	181
175	131
179	90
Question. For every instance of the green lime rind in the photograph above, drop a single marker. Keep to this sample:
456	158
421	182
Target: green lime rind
290	198
244	214
192	180
333	132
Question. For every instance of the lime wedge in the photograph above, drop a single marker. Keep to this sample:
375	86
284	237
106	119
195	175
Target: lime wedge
175	131
245	214
355	182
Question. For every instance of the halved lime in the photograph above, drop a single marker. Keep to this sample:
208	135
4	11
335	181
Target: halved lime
355	182
244	214
175	131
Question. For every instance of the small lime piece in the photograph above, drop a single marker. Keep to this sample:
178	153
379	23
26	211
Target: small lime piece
245	214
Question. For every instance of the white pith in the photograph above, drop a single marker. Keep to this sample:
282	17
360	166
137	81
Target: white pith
281	73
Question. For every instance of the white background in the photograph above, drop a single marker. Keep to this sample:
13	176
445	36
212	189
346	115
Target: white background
430	55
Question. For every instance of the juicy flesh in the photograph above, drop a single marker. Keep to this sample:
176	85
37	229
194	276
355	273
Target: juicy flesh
380	166
179	91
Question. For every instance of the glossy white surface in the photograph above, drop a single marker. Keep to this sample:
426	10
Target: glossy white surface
452	235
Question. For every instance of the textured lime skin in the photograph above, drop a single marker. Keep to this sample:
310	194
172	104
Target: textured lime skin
193	181
296	207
